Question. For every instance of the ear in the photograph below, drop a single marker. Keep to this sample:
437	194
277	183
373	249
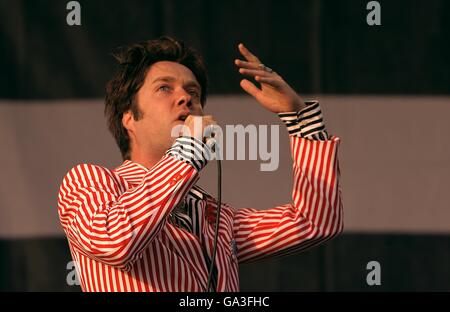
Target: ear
128	122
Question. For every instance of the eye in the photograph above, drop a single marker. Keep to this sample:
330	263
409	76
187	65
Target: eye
194	93
164	88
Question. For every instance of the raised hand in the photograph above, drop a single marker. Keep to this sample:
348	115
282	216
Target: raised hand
275	94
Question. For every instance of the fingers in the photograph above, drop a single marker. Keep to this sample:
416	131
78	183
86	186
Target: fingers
203	117
274	82
263	76
247	65
204	121
250	88
209	120
195	125
252	67
255	72
247	54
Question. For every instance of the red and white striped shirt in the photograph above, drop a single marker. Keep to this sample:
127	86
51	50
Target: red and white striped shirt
123	237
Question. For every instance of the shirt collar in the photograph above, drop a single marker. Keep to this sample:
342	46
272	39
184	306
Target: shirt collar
131	171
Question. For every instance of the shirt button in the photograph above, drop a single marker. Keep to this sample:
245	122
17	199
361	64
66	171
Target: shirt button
175	179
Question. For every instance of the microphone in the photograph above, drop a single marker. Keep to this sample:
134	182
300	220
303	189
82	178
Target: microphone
210	133
211	143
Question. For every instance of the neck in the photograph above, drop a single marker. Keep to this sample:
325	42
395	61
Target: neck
147	160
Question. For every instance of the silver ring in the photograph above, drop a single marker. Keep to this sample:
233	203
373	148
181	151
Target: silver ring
265	68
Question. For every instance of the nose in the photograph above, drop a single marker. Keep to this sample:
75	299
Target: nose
184	98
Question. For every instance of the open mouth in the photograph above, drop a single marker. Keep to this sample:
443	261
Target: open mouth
183	117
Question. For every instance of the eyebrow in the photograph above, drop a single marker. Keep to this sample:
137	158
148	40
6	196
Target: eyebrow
190	83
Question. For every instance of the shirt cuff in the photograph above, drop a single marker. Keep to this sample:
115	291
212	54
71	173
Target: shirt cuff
192	151
306	123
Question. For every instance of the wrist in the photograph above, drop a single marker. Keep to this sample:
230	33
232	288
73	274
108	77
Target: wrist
299	104
295	106
192	151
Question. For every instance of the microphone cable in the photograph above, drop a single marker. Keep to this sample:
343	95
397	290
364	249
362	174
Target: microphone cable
219	206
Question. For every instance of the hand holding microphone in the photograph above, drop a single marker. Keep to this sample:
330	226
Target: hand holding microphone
203	128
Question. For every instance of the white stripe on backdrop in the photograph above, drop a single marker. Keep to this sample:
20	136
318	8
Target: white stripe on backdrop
394	155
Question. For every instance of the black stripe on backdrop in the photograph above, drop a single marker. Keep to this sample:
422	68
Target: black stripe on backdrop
408	263
318	46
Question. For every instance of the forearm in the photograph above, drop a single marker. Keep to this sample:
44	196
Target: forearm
316	190
315	212
114	224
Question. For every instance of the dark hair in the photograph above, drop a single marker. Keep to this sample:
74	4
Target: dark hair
134	63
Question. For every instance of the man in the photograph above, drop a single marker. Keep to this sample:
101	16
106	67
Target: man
146	225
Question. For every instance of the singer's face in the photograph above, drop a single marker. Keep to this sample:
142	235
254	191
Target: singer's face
170	91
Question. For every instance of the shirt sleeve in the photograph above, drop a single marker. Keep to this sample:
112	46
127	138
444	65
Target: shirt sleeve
192	151
113	223
315	213
307	123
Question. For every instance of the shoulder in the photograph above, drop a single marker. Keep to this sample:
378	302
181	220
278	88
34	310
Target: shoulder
88	174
